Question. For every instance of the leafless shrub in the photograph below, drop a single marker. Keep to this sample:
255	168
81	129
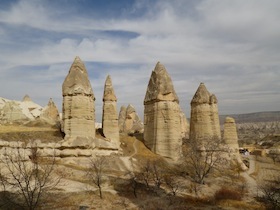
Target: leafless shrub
271	192
203	157
25	180
95	172
228	194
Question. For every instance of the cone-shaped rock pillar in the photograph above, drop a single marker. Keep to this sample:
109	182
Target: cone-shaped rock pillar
231	140
129	120
110	116
122	115
78	104
162	120
50	113
204	123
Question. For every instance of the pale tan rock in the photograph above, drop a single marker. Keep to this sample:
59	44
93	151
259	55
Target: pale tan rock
230	138
18	111
204	123
50	113
185	127
162	116
26	98
132	122
78	103
129	120
122	116
110	117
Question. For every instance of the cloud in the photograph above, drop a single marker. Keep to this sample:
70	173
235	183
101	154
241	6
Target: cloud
231	46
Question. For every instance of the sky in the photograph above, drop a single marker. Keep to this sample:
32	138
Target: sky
233	47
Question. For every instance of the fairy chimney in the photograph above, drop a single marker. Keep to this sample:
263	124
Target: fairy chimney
50	113
78	104
204	123
230	138
162	120
121	121
110	117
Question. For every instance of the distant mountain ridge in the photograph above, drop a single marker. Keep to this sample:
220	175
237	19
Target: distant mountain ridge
269	116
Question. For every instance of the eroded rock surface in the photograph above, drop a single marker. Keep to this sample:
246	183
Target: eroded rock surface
204	123
19	111
129	120
50	113
162	116
230	138
78	103
110	117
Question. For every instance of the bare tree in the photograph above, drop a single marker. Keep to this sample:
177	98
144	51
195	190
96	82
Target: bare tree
203	156
26	177
271	192
96	172
152	171
157	174
172	183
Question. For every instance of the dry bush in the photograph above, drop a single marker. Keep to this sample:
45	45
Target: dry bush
228	194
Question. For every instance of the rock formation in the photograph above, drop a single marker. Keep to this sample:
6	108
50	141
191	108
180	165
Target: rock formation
185	127
110	118
78	104
204	123
162	120
231	140
133	122
50	113
18	111
122	116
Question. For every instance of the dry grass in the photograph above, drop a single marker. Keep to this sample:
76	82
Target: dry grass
27	133
21	128
233	204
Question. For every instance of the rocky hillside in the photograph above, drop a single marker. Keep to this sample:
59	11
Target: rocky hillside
253	117
261	128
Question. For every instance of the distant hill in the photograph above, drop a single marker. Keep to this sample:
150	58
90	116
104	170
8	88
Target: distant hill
253	117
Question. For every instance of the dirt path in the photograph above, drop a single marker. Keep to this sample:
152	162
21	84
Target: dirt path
250	181
135	148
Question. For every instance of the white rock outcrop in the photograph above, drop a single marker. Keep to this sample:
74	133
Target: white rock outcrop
19	111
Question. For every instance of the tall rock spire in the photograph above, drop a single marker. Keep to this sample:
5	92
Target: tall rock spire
110	116
230	138
78	104
160	87
77	81
162	120
204	123
109	93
